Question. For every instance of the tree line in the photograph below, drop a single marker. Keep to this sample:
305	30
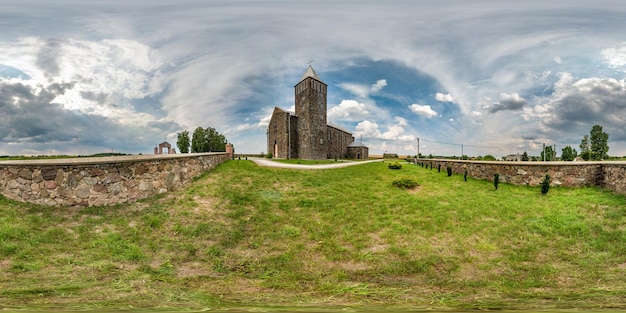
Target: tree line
202	140
593	147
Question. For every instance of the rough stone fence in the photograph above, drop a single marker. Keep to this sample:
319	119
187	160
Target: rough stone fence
103	180
608	175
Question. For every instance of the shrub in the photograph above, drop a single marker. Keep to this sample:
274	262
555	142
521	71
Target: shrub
545	185
496	180
269	155
405	183
449	171
395	166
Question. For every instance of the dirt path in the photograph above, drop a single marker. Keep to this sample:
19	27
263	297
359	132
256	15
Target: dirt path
270	163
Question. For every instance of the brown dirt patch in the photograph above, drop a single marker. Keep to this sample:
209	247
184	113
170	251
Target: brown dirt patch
414	190
193	269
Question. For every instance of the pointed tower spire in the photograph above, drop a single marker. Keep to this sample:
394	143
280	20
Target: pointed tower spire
310	72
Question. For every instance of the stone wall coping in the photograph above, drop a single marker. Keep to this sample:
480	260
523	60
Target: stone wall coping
102	160
532	163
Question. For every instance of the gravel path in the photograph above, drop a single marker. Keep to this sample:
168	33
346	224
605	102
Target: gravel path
270	163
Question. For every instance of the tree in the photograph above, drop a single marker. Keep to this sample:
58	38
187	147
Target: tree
207	140
183	141
599	142
584	148
198	142
489	157
550	154
525	156
568	153
215	140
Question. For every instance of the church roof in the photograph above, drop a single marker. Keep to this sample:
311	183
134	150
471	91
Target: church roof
357	144
310	72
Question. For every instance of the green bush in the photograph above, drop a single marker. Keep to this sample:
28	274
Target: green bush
496	180
405	183
545	185
395	166
269	156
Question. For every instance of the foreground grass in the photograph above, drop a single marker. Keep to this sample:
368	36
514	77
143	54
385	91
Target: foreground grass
248	235
307	162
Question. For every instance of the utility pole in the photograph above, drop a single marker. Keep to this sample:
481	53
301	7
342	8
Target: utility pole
418	148
544	152
461	152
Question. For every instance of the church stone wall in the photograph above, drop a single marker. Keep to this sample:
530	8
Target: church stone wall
360	153
277	137
338	141
101	181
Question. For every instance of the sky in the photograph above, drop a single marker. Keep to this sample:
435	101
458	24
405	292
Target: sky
464	77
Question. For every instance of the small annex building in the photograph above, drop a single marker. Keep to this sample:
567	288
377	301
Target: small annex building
306	134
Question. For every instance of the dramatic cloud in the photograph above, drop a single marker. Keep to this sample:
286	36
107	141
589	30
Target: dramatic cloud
586	102
508	102
422	110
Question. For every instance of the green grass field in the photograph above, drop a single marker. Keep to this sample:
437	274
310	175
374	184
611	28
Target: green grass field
249	235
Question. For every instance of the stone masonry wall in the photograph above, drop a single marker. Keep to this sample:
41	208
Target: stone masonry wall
608	175
337	142
101	181
614	177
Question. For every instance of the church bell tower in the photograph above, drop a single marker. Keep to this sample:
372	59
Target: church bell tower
310	101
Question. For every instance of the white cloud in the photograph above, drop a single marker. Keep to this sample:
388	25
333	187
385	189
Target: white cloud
423	110
265	121
378	86
394	132
358	90
476	114
348	110
367	129
364	91
444	97
615	57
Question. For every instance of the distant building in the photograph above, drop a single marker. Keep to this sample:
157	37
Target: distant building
306	134
513	157
164	145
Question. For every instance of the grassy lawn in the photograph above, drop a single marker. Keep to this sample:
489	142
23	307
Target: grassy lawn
249	235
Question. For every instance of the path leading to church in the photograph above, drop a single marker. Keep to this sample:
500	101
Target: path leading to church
270	163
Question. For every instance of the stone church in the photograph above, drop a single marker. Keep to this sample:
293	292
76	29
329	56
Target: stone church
306	134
